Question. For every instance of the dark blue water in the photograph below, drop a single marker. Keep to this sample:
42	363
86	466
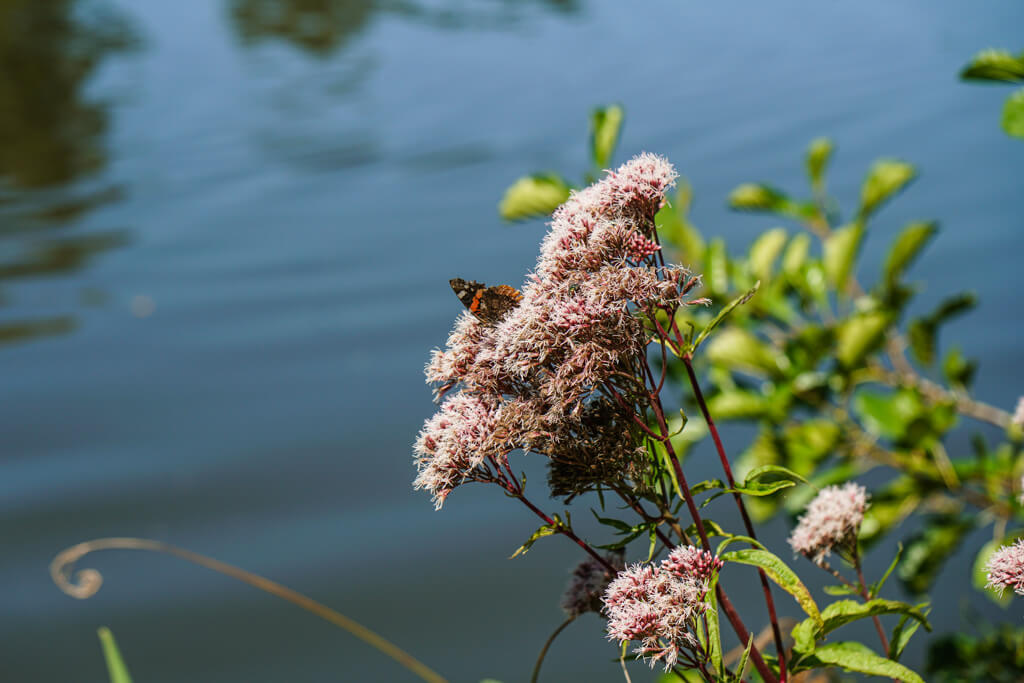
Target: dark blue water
226	230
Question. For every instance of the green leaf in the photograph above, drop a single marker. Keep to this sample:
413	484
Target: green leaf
876	587
856	657
676	229
796	254
994	65
764	251
885	178
758	472
116	668
741	666
839	590
958	370
722	315
533	196
714	630
758	197
841	249
716	267
759	488
888	414
781	574
906	248
818	154
1013	114
847	611
735	347
738	405
544	530
902	633
605	125
923	332
928	551
859	335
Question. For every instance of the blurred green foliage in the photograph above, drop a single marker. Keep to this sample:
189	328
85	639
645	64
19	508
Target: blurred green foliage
1001	66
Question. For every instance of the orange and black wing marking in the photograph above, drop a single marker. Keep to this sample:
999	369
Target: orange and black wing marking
489	304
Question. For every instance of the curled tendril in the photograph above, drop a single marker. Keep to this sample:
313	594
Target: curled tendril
85	583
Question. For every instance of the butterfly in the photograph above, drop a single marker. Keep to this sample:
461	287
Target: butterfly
489	304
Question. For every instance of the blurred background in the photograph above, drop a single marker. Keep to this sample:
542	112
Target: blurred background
226	230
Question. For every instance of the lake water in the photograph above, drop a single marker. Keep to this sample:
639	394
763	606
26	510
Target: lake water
226	230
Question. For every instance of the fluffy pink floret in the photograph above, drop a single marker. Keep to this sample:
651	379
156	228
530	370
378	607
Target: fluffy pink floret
453	443
1005	568
659	606
831	520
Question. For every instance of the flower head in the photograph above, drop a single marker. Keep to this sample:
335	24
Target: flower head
659	606
831	521
589	581
543	369
1005	569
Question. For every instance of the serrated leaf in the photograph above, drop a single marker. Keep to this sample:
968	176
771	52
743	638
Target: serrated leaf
840	253
853	656
605	126
859	335
533	196
994	65
905	249
1013	114
764	251
779	572
885	178
116	668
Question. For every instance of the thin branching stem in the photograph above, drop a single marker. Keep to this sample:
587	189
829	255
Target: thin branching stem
547	645
766	588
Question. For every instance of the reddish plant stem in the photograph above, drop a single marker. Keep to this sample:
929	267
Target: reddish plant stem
723	600
864	594
769	600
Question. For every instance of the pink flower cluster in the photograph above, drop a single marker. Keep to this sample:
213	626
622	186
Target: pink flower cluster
1005	569
660	605
831	521
577	324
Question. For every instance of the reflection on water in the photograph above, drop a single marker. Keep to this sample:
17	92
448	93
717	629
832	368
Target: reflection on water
51	146
324	26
